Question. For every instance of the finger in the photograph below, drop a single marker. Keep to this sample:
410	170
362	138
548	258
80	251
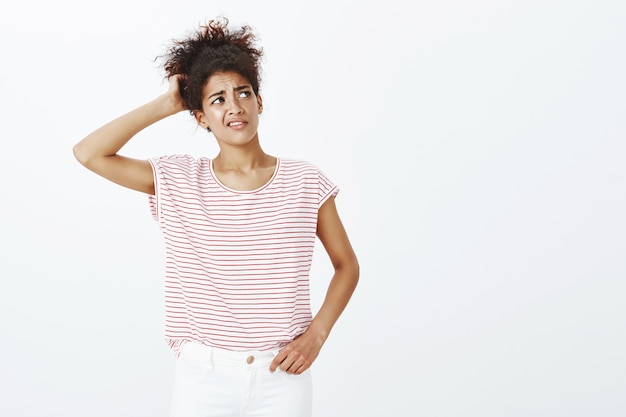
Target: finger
286	363
278	359
293	369
298	367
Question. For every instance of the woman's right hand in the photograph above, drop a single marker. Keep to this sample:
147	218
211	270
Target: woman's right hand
174	93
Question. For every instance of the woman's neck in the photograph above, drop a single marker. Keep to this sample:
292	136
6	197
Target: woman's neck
242	161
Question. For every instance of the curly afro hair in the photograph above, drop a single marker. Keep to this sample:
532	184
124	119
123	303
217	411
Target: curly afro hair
214	47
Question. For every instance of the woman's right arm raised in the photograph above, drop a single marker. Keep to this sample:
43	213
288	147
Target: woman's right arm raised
98	150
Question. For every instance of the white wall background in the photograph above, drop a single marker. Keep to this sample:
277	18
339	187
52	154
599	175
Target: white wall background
480	149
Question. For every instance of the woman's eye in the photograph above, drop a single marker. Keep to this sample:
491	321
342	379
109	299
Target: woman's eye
218	100
245	94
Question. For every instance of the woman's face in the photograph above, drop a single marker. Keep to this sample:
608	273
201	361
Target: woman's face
230	109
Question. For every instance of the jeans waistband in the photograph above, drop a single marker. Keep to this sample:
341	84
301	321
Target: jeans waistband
211	355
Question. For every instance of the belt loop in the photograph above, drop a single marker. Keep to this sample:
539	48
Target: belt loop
211	350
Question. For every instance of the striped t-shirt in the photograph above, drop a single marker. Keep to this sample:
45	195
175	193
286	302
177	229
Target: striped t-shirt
236	262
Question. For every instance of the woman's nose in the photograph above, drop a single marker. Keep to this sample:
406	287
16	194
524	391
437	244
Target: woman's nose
234	107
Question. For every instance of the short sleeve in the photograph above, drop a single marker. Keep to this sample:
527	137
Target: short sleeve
164	169
326	188
153	199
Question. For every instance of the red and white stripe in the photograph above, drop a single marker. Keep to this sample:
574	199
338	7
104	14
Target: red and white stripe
237	262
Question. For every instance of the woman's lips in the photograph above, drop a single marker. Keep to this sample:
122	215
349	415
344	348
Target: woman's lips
236	124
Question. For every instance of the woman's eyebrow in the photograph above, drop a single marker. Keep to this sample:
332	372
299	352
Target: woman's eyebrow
219	93
241	87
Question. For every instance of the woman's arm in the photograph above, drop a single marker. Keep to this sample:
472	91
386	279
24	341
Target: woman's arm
98	150
299	355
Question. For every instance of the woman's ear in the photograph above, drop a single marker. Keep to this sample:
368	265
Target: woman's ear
259	102
201	119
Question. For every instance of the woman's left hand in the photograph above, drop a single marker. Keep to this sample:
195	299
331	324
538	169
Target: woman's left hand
298	356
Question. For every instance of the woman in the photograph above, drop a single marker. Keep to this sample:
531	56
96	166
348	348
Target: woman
239	231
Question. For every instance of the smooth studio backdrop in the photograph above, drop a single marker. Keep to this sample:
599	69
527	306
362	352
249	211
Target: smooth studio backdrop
479	147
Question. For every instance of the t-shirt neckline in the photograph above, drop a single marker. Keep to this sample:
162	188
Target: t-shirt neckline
232	190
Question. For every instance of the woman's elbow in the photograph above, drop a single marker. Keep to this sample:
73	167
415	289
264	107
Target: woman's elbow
351	269
356	268
82	155
79	154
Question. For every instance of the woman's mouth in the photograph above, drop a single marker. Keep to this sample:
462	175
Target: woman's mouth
236	124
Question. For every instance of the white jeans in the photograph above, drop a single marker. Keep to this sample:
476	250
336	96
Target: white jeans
211	382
